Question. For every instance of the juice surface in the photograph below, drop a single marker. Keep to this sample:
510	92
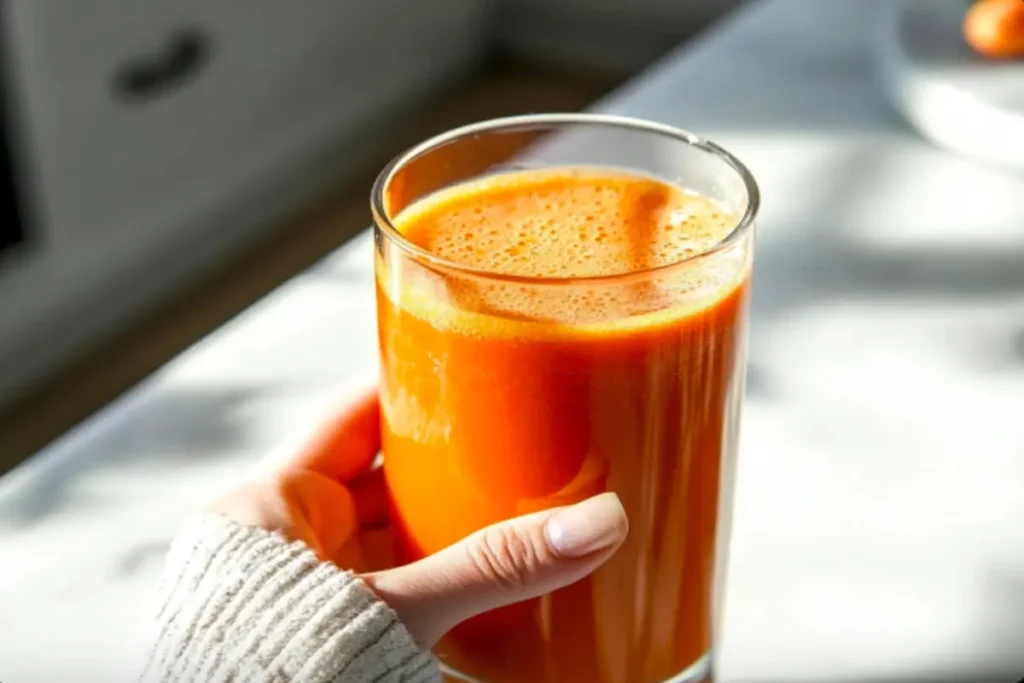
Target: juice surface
502	397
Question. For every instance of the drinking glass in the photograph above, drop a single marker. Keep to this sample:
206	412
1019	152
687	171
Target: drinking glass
504	394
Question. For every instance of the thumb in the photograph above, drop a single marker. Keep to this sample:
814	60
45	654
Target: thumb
505	563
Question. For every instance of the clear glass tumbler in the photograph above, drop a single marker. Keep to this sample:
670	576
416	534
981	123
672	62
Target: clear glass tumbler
505	394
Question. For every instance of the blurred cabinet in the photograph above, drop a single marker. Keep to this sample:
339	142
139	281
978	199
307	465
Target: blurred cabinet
151	137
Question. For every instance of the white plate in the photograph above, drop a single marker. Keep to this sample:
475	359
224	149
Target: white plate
953	96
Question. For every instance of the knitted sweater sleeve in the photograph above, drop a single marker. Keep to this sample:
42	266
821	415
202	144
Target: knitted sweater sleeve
242	604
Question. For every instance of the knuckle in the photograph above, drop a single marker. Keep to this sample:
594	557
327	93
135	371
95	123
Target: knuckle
505	557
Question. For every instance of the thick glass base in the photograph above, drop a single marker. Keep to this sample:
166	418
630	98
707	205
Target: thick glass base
699	672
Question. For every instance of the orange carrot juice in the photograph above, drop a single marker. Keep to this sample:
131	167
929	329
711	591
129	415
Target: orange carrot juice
593	340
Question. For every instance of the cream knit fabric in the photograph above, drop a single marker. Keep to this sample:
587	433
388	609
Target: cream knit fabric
241	604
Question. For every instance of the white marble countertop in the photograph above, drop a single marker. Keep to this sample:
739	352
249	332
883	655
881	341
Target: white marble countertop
878	530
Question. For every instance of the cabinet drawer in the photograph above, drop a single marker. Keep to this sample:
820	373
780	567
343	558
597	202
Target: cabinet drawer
140	108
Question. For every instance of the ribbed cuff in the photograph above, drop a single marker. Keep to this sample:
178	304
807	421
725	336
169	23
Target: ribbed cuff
242	604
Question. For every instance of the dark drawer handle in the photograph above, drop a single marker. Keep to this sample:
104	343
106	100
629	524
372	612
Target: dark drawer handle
147	76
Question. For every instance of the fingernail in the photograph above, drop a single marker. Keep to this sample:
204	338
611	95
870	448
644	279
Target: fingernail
595	524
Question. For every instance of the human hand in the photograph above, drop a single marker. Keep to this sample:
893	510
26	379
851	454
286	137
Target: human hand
328	495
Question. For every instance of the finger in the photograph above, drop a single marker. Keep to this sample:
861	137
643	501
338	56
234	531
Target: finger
502	564
301	505
341	447
321	509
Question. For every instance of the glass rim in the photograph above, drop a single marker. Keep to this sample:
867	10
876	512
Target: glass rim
383	222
